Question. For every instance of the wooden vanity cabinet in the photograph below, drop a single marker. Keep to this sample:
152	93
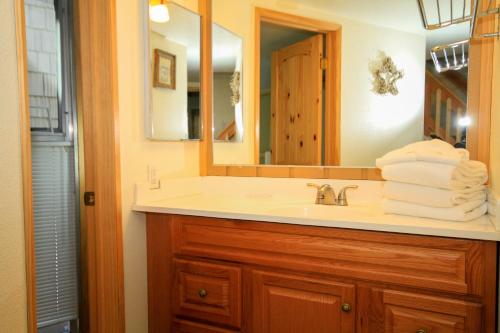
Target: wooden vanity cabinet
221	276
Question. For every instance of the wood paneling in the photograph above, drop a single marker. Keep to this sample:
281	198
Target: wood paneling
205	291
24	115
293	304
97	101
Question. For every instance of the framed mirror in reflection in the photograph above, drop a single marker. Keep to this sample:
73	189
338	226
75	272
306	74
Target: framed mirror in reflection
172	111
227	62
348	81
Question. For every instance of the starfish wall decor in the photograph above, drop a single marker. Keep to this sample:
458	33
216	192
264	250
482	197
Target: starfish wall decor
385	75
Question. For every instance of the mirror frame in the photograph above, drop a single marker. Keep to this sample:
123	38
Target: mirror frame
479	102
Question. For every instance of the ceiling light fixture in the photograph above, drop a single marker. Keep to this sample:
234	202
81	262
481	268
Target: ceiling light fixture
158	11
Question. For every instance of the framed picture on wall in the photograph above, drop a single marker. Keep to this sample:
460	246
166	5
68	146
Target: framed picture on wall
164	70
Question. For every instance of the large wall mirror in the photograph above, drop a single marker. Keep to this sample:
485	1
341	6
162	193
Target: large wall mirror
348	86
227	63
172	110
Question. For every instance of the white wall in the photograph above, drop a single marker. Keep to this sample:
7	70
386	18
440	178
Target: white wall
370	123
170	118
13	308
174	159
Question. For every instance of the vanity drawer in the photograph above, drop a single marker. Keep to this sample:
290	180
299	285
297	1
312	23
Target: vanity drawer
207	291
434	263
413	313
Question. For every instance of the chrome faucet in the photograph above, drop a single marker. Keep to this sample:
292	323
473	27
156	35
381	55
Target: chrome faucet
326	194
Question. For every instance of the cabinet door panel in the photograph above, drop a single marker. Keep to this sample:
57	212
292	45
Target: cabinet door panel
291	304
184	326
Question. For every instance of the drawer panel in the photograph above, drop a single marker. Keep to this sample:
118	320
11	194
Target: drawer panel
407	312
207	291
428	262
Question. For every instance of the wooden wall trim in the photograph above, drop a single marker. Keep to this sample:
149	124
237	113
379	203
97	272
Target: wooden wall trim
24	111
479	94
97	101
206	143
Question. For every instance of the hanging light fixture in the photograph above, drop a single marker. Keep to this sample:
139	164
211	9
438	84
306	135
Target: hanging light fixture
158	11
437	14
451	57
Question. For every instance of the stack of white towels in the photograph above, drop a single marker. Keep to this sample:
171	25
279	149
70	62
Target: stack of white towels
432	179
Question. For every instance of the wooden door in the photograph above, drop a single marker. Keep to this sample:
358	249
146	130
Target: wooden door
297	103
392	311
288	304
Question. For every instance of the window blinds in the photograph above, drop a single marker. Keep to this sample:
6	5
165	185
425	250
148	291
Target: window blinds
56	233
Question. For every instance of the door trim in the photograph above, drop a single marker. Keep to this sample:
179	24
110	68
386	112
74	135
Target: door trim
24	111
333	34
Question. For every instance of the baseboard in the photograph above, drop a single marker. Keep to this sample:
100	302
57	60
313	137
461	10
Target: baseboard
494	208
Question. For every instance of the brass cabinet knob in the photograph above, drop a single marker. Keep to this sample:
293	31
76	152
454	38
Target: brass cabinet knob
202	293
346	307
421	331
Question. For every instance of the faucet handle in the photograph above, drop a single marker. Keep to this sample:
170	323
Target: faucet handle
342	199
316	186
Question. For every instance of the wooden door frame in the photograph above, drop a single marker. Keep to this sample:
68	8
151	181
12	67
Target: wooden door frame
333	34
102	279
24	112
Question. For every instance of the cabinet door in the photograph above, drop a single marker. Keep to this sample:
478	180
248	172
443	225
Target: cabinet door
294	304
392	311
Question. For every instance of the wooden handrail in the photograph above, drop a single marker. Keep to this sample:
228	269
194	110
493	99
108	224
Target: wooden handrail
229	132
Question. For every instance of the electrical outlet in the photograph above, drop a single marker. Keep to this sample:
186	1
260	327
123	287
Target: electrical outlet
154	181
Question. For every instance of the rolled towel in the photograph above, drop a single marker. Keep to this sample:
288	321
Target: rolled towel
436	151
462	213
431	196
467	174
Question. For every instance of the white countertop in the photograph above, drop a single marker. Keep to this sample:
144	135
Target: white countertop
290	201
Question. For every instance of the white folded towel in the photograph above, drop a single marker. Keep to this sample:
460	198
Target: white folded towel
436	151
467	174
462	213
432	197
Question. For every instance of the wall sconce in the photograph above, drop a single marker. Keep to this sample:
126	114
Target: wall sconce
451	57
158	11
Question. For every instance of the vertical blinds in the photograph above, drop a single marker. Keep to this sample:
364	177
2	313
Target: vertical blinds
56	234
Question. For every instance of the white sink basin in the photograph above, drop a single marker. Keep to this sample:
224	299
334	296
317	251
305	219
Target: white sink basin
324	211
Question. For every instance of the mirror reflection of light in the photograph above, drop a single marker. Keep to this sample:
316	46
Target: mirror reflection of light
70	129
159	13
393	112
465	121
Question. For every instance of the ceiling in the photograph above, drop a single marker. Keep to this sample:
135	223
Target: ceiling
401	15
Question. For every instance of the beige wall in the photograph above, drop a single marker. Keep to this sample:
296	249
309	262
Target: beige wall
371	125
495	124
174	159
12	257
169	116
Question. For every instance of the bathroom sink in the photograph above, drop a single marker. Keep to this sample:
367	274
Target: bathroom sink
323	211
